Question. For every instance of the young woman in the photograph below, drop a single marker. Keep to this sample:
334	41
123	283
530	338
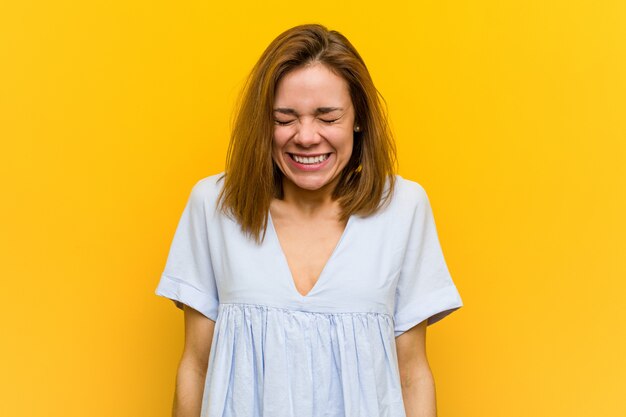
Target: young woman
308	271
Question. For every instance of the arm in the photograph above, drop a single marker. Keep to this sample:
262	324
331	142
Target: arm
193	364
418	385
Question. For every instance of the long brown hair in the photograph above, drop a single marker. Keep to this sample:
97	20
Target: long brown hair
252	179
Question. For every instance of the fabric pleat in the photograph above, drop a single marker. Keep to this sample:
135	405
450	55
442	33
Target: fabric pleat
276	362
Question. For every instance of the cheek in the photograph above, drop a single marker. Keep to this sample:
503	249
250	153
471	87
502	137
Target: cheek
278	141
344	142
348	151
280	138
275	151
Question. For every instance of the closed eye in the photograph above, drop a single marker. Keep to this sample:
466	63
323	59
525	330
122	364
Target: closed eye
283	123
329	121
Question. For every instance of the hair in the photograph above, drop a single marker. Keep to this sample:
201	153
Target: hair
252	178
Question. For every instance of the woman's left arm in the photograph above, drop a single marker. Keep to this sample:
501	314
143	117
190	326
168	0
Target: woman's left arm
418	384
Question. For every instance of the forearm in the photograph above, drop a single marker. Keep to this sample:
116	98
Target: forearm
419	395
190	381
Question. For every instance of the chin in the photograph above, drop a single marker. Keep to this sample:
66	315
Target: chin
310	184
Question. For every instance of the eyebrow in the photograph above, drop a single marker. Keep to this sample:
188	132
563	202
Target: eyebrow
319	110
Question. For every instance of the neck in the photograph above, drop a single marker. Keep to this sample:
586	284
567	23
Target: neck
308	201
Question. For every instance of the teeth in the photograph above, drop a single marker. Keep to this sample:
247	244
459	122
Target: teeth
310	159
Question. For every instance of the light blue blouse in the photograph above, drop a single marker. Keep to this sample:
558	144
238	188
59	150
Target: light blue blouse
330	353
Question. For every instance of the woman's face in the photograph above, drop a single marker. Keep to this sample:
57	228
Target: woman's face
313	126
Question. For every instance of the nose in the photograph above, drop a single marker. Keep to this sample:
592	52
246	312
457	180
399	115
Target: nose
307	134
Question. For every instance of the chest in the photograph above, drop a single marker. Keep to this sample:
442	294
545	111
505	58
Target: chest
307	247
322	266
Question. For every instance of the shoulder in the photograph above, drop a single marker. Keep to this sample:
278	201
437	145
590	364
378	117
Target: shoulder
408	193
206	190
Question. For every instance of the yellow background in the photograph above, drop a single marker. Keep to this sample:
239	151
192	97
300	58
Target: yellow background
510	113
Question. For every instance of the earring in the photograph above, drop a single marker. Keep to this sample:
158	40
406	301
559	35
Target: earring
357	128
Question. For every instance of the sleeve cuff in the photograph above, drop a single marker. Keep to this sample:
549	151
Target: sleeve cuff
434	307
182	293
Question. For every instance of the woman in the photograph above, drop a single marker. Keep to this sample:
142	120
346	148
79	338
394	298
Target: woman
308	271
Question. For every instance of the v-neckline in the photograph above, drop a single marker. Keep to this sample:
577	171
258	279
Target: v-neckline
285	262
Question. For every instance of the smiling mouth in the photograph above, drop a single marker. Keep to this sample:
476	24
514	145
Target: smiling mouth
309	160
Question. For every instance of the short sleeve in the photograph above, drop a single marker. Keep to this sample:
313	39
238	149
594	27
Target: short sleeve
188	276
425	289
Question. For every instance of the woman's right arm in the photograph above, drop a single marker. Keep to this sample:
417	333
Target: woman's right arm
193	364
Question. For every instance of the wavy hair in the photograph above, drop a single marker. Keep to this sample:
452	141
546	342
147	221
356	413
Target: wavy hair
251	177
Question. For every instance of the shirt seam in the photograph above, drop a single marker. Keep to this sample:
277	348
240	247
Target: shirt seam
183	282
310	312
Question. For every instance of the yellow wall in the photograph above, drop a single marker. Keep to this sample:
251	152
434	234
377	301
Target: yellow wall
510	113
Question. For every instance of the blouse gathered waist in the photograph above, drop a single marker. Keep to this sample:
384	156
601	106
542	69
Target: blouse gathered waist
299	363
